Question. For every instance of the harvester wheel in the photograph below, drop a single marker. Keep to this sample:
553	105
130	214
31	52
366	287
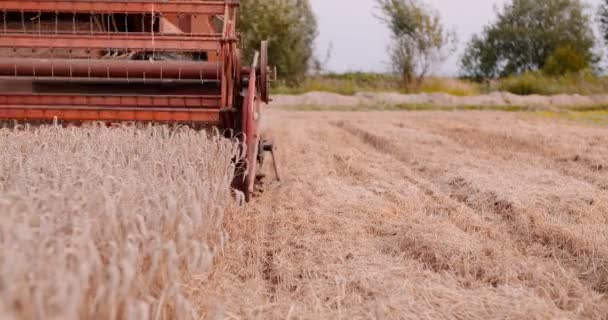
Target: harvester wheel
250	120
257	91
264	73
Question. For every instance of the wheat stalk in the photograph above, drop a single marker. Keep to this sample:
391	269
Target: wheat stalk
100	223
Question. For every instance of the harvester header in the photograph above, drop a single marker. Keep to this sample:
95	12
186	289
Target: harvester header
133	61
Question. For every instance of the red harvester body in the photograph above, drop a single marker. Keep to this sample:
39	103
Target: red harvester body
133	61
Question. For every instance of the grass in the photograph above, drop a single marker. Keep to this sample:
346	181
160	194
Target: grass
452	86
346	84
596	117
410	107
584	83
537	83
102	223
430	107
352	83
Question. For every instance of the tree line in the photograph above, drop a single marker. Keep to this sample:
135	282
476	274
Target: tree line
555	37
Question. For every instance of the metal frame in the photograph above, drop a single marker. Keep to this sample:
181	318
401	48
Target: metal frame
221	98
223	44
110	69
113	40
119	6
138	101
110	114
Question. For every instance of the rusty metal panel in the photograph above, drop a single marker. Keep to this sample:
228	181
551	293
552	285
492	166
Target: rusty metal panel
118	6
59	100
88	113
116	69
113	40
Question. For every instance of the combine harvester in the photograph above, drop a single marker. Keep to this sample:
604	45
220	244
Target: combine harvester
115	61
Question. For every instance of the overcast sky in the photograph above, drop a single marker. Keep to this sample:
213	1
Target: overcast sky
359	40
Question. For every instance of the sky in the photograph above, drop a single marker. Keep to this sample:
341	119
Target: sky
359	40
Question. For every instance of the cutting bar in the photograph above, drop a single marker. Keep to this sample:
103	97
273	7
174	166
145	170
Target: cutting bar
121	69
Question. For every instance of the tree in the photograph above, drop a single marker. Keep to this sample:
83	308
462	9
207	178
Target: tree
291	28
419	39
526	34
603	14
565	60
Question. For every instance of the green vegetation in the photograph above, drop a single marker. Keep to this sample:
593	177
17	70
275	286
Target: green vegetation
405	107
528	35
453	86
534	47
566	60
428	107
583	83
291	28
351	83
419	39
603	15
596	117
346	84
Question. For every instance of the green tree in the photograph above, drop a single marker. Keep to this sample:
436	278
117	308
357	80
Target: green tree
565	60
291	28
603	14
419	39
525	35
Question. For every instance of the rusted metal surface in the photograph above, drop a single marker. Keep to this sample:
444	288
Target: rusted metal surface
131	41
55	100
97	113
264	73
252	139
23	67
118	6
173	61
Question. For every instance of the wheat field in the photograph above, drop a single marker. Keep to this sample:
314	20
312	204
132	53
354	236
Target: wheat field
380	215
109	223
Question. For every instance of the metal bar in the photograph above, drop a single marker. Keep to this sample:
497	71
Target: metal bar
29	113
118	6
116	40
61	100
114	69
109	81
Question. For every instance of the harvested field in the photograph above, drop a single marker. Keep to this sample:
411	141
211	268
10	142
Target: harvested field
438	215
504	101
381	215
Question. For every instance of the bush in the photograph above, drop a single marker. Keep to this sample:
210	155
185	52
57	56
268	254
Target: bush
453	86
525	84
564	60
583	83
346	84
354	82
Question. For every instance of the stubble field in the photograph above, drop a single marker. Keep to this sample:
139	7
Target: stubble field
387	215
438	215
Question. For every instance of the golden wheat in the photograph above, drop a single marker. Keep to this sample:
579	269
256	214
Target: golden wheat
109	223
